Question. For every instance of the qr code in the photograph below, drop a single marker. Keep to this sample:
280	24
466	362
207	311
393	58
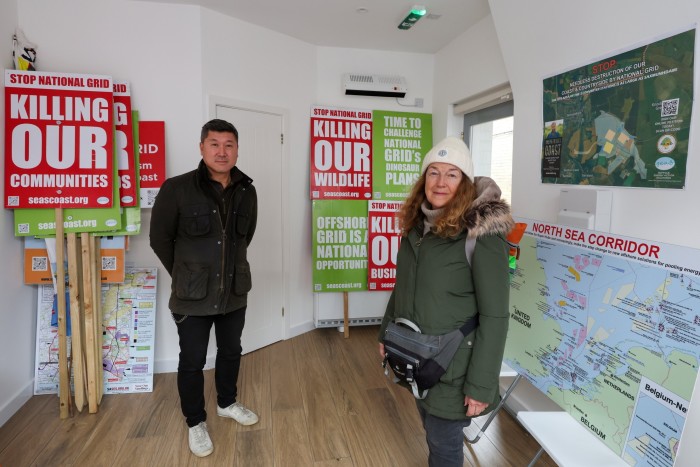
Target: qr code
40	263
669	108
109	263
151	197
13	200
148	197
318	287
23	228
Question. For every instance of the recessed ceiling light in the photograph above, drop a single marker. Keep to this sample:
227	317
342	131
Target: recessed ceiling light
362	10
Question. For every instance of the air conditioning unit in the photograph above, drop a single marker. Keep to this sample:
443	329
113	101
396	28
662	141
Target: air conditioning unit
374	85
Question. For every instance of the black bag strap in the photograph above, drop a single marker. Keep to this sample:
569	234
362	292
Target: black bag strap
470	325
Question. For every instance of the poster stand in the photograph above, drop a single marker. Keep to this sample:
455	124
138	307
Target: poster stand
63	373
94	378
566	441
498	408
346	312
84	363
77	361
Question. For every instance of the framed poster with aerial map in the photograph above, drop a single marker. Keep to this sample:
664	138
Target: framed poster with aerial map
608	327
623	120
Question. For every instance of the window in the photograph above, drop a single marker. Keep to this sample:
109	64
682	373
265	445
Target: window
489	135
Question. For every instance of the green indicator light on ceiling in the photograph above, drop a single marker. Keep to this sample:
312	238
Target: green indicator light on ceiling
416	13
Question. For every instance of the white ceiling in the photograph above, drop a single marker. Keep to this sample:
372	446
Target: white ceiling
337	23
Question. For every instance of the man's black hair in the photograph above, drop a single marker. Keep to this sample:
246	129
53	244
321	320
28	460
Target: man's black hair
218	125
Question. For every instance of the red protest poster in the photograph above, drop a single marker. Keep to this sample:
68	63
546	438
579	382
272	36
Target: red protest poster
341	153
124	145
151	160
58	140
384	235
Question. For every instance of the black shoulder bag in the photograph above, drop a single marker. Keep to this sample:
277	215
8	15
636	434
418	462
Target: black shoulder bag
417	359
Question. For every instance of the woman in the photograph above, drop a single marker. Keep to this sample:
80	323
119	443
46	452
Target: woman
439	289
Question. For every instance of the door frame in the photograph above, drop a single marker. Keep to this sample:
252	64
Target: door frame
213	101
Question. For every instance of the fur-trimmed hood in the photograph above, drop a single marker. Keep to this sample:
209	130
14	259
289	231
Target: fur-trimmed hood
489	214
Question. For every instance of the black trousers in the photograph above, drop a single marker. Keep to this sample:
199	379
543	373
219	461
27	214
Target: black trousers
445	439
194	339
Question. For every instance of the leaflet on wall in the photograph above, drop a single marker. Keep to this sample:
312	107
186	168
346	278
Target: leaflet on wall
129	312
623	120
38	270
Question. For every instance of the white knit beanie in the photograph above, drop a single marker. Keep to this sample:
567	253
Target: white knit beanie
451	150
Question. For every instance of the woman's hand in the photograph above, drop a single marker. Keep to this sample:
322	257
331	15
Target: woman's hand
474	407
381	350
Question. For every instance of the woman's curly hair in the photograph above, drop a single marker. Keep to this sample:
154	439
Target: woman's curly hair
451	222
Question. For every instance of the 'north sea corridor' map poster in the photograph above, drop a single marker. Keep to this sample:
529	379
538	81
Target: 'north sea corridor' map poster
609	328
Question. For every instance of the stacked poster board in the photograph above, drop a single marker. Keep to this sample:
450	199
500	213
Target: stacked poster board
72	177
363	163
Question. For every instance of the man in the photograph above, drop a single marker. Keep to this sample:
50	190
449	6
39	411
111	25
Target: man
201	225
553	133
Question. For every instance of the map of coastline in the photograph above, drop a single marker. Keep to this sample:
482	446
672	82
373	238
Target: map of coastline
129	311
623	120
613	340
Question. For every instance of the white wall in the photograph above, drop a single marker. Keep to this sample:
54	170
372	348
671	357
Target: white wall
470	64
17	320
540	39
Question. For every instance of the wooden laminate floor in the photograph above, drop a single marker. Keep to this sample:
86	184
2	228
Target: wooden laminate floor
323	400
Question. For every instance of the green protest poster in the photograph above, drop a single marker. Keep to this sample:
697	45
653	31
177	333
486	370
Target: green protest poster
399	142
99	221
339	245
130	223
42	222
131	216
623	120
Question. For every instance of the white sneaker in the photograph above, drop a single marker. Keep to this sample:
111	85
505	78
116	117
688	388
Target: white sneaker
200	442
239	413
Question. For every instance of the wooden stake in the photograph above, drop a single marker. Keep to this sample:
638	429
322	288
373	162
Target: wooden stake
89	322
97	305
346	321
78	363
63	375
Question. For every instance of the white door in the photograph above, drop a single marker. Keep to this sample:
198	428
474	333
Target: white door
260	157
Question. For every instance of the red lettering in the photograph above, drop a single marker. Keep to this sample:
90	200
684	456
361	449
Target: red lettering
604	66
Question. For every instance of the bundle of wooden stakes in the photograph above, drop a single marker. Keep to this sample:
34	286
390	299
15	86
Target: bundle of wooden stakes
84	284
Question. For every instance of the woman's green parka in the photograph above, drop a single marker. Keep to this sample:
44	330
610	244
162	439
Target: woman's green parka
439	290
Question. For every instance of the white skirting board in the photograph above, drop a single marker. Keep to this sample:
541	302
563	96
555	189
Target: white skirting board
364	308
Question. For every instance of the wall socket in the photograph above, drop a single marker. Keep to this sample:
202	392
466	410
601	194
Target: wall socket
419	102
